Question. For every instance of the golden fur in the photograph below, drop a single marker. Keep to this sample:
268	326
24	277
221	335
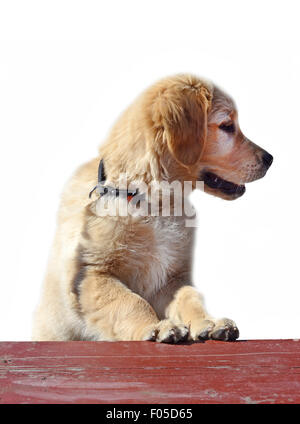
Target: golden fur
129	278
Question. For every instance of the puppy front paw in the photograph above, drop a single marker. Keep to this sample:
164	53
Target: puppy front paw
222	329
167	332
225	329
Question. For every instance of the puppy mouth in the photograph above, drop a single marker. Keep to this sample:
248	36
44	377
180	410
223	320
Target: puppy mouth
226	187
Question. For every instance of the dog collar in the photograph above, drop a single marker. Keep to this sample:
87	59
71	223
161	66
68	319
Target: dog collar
102	189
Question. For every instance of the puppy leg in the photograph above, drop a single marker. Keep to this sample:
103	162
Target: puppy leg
113	312
187	307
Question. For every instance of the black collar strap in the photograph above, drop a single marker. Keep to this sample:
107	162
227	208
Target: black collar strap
110	190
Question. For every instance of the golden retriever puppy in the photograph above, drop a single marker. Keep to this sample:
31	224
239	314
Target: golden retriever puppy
128	276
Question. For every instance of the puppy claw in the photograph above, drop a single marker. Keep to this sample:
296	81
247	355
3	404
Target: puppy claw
170	338
225	334
225	331
202	331
168	332
182	334
151	337
204	335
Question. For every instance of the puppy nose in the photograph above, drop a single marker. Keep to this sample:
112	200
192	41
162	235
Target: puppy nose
267	159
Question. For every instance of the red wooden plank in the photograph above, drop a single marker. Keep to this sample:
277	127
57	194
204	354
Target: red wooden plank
264	371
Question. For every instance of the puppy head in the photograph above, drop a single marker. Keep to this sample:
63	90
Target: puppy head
230	159
197	128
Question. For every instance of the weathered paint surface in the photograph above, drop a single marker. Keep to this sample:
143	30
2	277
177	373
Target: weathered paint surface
265	371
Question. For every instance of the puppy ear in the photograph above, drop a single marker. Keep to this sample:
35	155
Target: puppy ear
183	116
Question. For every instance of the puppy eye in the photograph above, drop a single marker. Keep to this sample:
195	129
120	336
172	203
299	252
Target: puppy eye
230	128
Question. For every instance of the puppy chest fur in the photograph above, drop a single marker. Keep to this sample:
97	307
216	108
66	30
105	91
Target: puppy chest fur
142	252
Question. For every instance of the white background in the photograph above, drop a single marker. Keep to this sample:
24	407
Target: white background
68	69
